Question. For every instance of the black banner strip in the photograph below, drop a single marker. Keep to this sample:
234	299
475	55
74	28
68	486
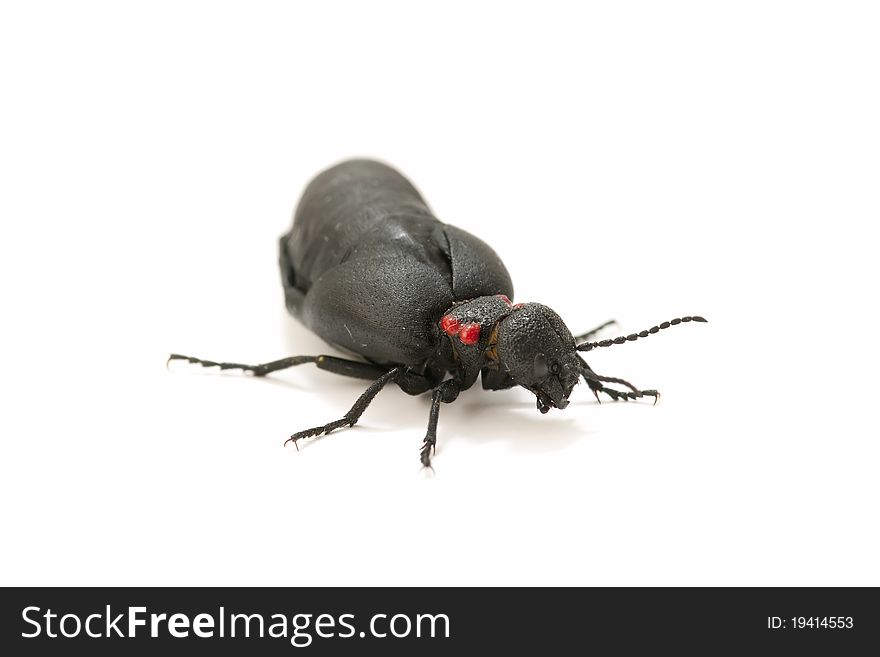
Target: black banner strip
429	621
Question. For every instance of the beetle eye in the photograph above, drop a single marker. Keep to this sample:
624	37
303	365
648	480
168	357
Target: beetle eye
540	366
554	368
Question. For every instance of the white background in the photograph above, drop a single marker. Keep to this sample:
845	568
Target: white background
631	160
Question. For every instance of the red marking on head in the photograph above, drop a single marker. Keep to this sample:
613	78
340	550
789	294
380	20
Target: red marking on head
469	334
450	324
504	298
518	306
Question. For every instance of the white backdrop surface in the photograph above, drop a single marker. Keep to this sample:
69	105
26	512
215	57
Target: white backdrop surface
639	161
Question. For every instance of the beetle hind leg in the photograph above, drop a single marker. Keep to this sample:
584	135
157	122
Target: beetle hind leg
332	364
257	370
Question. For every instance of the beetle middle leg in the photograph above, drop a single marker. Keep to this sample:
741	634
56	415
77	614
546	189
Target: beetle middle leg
445	393
354	412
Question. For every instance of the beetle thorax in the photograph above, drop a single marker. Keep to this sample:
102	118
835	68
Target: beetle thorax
471	327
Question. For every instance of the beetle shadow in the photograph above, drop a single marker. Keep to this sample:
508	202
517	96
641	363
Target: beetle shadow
476	417
506	417
472	421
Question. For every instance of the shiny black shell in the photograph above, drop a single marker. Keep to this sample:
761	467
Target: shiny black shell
368	268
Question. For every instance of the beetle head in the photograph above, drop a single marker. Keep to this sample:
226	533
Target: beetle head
538	351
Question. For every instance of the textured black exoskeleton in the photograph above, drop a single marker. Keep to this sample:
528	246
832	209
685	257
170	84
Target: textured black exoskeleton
426	305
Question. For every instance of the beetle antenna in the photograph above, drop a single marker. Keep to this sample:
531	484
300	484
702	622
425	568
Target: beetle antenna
587	346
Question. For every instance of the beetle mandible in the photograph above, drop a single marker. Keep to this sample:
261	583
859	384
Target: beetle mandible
424	304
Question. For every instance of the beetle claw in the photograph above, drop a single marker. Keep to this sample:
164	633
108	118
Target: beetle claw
428	446
317	431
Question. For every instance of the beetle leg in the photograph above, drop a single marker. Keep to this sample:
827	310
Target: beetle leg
341	366
626	396
445	393
595	382
354	412
589	334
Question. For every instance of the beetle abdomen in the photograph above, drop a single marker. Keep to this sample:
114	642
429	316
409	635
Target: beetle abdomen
341	206
368	267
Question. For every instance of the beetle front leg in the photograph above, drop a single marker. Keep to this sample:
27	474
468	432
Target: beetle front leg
445	393
354	412
622	394
595	382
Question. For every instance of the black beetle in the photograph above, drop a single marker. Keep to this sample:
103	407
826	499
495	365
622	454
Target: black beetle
427	305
